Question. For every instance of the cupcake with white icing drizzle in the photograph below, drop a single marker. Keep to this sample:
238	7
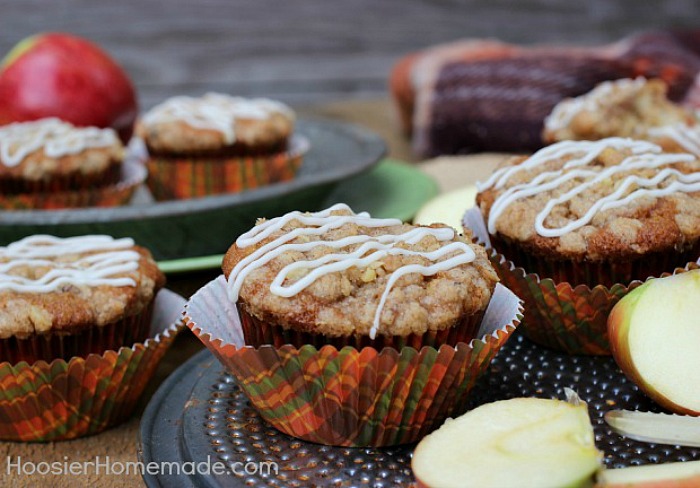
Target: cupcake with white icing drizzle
595	212
218	143
52	155
64	297
217	123
349	279
636	108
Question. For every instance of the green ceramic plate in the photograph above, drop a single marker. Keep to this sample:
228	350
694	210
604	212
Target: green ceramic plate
392	189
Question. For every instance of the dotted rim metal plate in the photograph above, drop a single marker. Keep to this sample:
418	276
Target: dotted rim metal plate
219	424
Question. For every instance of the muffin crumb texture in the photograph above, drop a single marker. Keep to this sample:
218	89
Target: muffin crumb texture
216	122
40	150
618	108
57	285
613	199
344	301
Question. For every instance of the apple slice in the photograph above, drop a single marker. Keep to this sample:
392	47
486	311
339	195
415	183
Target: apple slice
524	442
659	428
670	475
447	208
655	338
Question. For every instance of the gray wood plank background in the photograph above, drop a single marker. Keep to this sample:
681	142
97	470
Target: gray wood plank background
308	51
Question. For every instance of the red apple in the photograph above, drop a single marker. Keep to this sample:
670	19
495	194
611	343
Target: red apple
654	333
65	76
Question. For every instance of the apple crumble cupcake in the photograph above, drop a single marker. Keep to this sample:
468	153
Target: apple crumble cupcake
49	163
598	212
589	218
636	108
83	325
218	143
65	297
353	330
334	277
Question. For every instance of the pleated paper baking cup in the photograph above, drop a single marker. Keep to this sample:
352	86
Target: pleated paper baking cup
133	174
177	178
81	343
76	180
62	400
351	397
558	314
258	332
593	274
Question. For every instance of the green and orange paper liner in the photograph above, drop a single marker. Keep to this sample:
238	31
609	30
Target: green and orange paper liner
190	177
349	396
66	399
558	314
133	174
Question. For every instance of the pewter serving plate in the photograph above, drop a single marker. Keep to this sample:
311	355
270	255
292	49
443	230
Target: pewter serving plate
208	225
199	413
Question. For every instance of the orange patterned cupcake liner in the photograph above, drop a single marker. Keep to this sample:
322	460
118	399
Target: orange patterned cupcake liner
133	174
349	396
65	399
178	178
558	314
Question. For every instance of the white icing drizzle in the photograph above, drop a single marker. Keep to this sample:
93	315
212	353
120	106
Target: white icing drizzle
589	151
644	156
55	137
686	136
564	112
111	257
215	111
371	249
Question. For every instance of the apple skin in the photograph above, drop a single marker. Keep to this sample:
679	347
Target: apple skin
65	76
618	329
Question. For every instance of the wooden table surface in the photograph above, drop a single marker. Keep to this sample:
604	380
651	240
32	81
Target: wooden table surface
310	51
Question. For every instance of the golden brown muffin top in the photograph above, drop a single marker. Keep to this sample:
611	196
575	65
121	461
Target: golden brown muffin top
618	108
50	284
50	147
214	122
357	275
599	201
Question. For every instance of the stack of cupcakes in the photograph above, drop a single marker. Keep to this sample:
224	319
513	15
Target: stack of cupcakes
218	144
47	164
348	330
82	327
578	224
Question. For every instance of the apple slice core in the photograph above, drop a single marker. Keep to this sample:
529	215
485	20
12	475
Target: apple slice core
664	339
